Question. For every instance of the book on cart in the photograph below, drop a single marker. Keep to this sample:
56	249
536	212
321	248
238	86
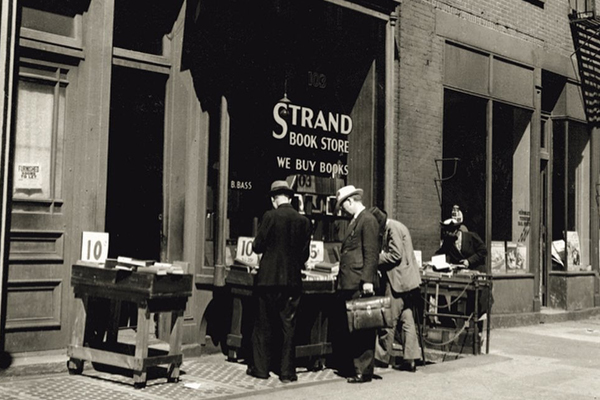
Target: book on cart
313	275
327	267
245	266
146	266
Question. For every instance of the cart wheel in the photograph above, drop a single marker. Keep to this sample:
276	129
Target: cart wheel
173	380
139	385
75	366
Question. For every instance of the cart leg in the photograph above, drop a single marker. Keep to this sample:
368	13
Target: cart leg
235	331
75	366
476	338
141	345
175	345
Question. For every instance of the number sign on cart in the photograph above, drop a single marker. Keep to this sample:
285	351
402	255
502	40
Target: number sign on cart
245	254
94	246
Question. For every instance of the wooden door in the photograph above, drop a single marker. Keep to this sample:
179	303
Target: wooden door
38	277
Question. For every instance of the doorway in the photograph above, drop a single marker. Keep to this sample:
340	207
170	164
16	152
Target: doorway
134	202
134	196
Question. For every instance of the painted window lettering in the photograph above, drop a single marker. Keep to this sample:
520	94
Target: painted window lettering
244	185
305	117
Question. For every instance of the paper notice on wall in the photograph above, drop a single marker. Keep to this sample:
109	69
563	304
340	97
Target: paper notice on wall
28	176
573	251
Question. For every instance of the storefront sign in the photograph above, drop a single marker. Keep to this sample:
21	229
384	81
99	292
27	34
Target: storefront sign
311	141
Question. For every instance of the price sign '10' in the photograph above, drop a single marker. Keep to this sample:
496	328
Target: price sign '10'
94	246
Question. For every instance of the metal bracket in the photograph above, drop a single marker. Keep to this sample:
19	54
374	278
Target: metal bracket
438	163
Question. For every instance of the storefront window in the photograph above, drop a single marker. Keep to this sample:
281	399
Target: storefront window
464	178
570	196
305	109
510	188
39	135
465	150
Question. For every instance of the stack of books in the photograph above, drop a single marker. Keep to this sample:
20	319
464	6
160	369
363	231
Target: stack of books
146	266
322	271
241	265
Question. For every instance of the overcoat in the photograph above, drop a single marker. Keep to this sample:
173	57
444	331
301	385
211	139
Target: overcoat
283	239
359	253
397	258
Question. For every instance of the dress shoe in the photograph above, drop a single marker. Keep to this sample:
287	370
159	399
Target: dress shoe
288	379
359	379
250	371
410	367
381	364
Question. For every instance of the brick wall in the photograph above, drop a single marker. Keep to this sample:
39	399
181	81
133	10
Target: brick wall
420	91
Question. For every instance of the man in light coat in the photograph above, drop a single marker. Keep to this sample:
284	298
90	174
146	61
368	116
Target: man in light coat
401	279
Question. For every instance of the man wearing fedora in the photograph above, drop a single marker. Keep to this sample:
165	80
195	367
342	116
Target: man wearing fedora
283	239
357	276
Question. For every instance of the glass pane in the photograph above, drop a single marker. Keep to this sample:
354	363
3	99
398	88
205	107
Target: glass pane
570	196
464	140
141	25
467	69
510	185
33	152
48	22
578	232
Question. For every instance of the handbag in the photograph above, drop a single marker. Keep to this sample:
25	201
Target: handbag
369	312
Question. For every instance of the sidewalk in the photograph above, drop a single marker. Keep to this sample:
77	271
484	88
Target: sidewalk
550	361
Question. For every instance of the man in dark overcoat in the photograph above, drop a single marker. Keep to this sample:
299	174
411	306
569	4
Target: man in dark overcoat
283	239
357	276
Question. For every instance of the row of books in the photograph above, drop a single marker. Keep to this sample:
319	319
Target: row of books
508	257
321	271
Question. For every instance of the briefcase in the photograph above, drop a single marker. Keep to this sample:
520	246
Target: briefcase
369	312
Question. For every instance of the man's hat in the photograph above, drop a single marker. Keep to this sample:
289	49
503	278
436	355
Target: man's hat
344	193
279	187
380	215
450	224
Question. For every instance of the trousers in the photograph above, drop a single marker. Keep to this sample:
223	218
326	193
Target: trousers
401	314
273	334
354	352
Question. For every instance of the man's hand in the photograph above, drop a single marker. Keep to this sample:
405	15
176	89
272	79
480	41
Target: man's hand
367	288
465	263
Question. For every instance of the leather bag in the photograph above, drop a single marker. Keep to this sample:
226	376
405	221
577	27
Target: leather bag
369	312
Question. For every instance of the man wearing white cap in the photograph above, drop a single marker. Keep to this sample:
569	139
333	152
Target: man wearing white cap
358	275
283	239
464	248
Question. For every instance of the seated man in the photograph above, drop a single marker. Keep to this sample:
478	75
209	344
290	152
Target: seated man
464	248
461	247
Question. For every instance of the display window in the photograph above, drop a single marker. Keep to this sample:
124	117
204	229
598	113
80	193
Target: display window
467	160
39	149
570	197
511	214
302	99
